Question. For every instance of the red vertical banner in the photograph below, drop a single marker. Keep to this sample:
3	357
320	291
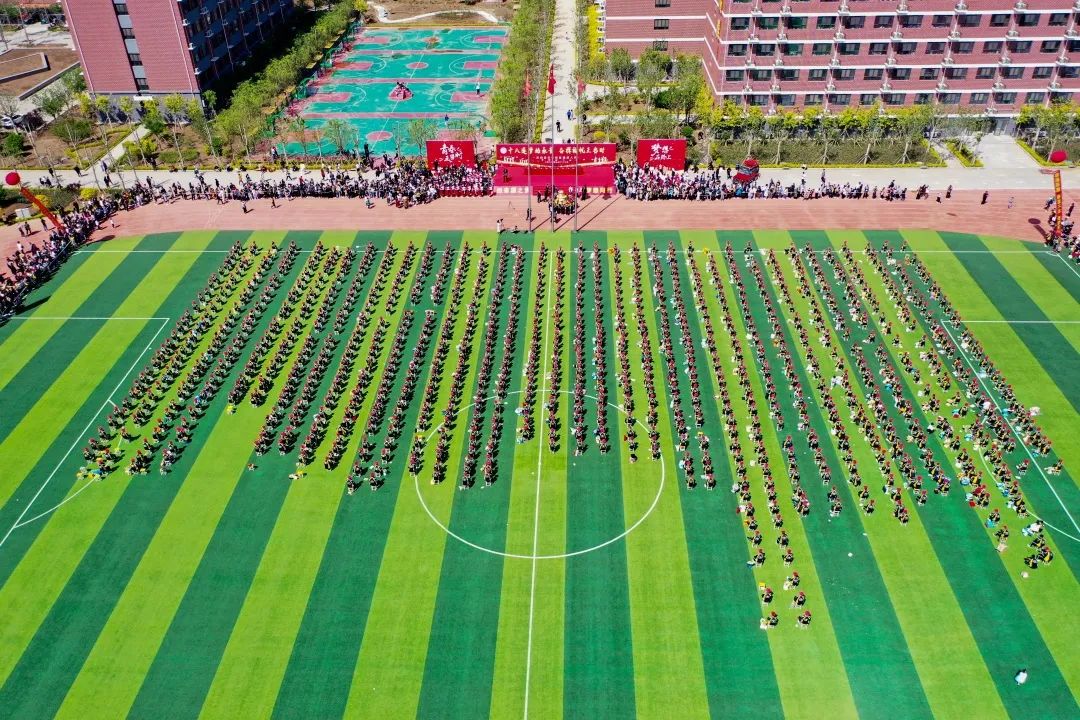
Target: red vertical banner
663	153
1059	202
450	153
60	226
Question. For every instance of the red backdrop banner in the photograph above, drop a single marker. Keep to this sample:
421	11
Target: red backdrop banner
663	153
449	153
535	166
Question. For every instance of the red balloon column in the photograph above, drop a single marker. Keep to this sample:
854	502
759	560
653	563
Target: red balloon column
12	178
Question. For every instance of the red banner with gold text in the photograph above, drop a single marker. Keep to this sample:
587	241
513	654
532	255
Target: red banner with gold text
529	167
448	153
665	153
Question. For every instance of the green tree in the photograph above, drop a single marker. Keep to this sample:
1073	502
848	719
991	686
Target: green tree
298	126
13	145
419	131
74	82
337	131
103	107
73	130
194	110
648	79
753	122
52	102
622	65
175	107
689	84
127	108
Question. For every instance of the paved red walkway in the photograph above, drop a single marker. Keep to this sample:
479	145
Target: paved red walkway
962	213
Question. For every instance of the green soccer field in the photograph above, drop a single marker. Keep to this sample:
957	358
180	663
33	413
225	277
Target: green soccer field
545	432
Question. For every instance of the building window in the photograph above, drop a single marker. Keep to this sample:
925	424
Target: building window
1020	46
911	21
141	85
949	98
1069	71
999	20
894	99
848	48
883	21
1027	19
660	45
924	98
660	24
759	100
768	23
872	73
930	73
120	8
942	21
1074	46
901	73
822	49
905	48
978	98
1005	98
127	33
1050	46
970	21
1043	71
879	48
761	75
1012	73
662	3
844	74
868	98
787	100
734	75
993	46
797	23
765	49
813	99
792	49
1062	97
134	58
984	73
854	22
1035	98
826	22
740	23
935	48
955	73
964	48
816	74
737	50
840	99
1059	18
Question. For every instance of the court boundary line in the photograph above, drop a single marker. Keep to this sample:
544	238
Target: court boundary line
1019	438
82	434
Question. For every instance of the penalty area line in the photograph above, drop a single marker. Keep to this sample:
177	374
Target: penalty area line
78	439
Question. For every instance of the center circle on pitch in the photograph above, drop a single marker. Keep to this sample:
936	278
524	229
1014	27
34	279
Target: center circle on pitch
557	556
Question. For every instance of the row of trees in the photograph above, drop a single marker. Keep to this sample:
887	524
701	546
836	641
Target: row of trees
1050	128
519	89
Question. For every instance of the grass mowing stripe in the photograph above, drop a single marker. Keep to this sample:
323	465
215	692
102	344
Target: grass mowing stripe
880	645
393	645
599	648
267	624
909	568
77	591
1047	343
512	641
183	668
1059	266
806	689
739	672
1004	630
61	296
466	614
669	670
41	423
43	363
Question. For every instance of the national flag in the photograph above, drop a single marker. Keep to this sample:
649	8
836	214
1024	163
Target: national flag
551	80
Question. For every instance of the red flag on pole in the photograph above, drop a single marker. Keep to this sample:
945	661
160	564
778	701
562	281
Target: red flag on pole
580	87
551	80
527	90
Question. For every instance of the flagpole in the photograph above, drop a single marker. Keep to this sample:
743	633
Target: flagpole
577	155
528	169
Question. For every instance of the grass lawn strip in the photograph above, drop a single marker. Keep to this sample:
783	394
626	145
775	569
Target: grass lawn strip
1059	266
739	672
806	690
909	568
599	647
264	639
512	639
388	663
177	680
975	571
465	624
670	674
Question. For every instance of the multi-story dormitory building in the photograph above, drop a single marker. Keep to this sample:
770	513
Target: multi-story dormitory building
158	47
989	55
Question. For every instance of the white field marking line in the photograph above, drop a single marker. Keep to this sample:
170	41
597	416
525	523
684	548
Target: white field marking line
65	319
990	471
1034	461
1068	264
82	434
66	500
559	556
1021	322
550	278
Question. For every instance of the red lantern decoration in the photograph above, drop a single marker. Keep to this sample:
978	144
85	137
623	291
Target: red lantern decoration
1059	156
12	178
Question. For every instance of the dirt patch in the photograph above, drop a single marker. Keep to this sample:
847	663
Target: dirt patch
452	13
60	59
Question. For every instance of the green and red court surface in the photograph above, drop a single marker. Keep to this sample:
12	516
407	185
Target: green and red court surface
442	66
575	586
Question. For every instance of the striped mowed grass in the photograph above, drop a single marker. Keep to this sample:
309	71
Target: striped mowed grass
581	581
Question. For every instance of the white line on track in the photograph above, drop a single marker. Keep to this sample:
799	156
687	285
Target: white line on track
1034	461
539	465
82	434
